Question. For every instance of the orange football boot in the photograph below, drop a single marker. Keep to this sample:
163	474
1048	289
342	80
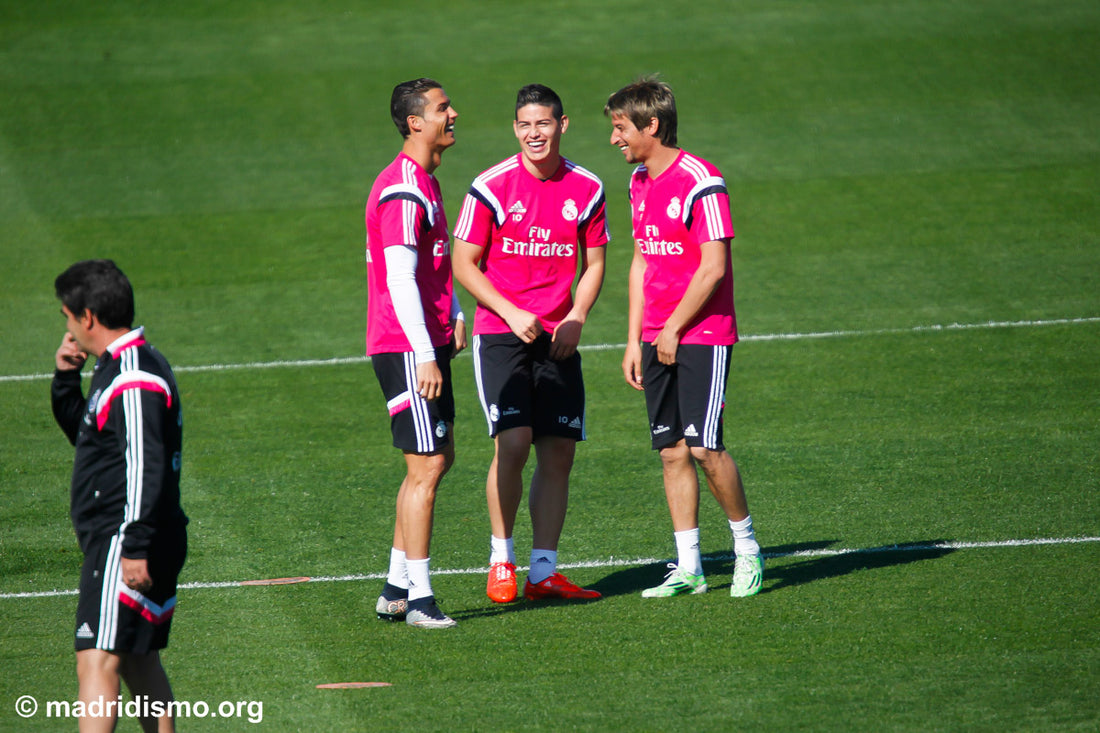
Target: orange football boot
557	586
501	587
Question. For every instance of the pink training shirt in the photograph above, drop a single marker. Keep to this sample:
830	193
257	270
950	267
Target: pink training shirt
683	208
405	208
532	232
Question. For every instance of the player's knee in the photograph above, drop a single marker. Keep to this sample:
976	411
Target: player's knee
139	666
434	468
675	454
711	459
556	456
448	458
513	447
92	663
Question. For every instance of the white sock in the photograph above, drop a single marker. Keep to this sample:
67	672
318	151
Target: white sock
744	539
501	550
688	557
544	563
399	574
420	585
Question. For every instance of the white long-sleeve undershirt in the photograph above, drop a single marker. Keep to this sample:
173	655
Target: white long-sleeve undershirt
405	295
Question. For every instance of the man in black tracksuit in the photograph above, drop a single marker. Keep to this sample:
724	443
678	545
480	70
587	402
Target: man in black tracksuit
125	497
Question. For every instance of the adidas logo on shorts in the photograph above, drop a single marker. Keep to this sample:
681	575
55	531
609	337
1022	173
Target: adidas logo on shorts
85	631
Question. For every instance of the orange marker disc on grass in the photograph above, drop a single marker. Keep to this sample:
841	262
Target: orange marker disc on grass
276	581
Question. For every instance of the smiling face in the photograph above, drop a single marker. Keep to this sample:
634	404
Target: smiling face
539	135
438	119
635	144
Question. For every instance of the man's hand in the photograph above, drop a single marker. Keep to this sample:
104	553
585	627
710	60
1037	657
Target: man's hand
429	381
135	574
567	335
459	326
667	343
632	366
526	326
69	355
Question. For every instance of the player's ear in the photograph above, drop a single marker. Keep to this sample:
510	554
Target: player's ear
415	123
564	123
652	127
88	319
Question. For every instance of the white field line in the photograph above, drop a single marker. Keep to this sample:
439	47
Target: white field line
614	562
748	338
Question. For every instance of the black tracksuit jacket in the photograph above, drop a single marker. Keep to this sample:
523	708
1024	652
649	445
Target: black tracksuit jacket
128	438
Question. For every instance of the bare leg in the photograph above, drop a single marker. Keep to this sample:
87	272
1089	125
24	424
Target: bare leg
398	537
724	481
97	672
145	677
504	485
681	486
549	497
416	500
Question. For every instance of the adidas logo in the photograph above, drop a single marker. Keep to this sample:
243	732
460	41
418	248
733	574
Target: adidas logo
85	632
517	211
691	432
576	423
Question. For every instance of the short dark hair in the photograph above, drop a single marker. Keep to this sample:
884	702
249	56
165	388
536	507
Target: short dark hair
408	99
100	287
541	95
643	100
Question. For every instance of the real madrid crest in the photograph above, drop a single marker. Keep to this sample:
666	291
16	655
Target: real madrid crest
674	209
569	210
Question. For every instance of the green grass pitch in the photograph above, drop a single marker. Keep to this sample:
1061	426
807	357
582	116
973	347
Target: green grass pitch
915	406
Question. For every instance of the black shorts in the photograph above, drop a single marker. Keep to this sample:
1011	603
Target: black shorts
418	426
686	400
519	385
111	616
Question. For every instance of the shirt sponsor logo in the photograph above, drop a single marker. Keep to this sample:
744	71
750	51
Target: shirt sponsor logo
441	248
537	249
659	248
661	429
651	245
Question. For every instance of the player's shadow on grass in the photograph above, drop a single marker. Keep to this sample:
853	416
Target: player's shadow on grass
520	605
793	565
785	565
